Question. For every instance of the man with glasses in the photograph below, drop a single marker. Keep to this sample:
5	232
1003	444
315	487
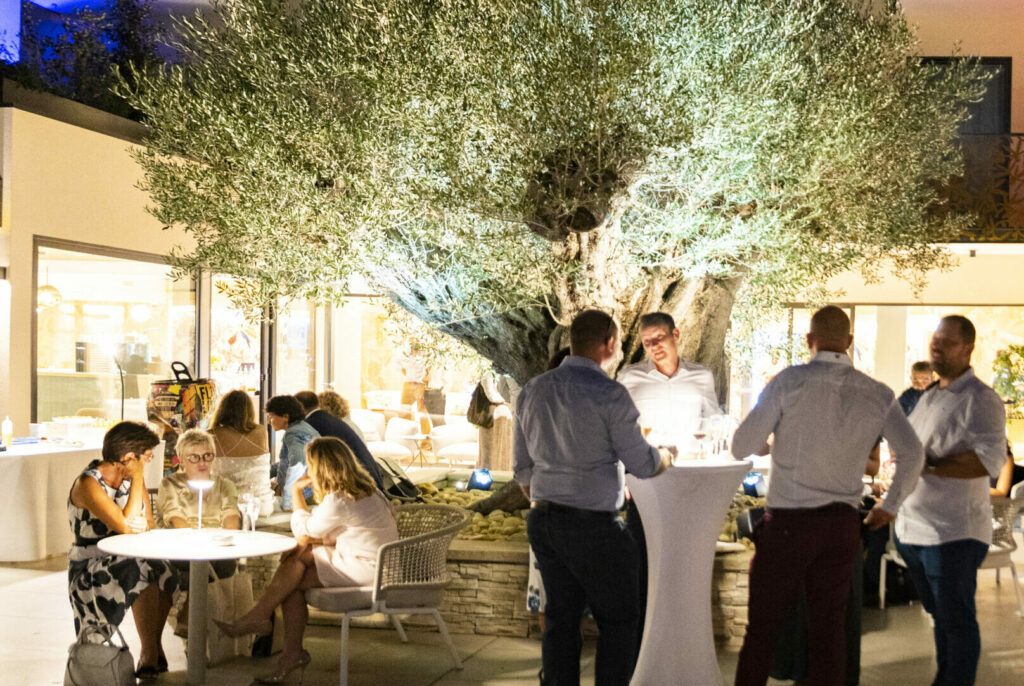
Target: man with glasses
945	526
575	430
672	395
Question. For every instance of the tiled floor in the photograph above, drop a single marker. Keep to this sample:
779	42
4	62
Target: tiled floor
36	629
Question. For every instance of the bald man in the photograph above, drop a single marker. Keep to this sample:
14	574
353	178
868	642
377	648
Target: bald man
826	418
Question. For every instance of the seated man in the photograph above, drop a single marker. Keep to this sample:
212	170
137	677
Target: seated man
329	425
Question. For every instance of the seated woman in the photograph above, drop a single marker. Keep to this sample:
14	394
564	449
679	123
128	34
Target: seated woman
109	498
332	403
284	413
178	503
1009	476
241	444
338	544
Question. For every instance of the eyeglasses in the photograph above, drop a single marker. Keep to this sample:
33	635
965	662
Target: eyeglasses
205	457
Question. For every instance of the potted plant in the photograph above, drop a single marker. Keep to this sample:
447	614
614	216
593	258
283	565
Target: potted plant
1008	382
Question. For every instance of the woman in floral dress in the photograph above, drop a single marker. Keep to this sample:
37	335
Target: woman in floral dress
109	498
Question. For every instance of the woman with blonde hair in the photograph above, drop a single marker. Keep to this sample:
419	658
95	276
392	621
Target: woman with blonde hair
333	403
338	544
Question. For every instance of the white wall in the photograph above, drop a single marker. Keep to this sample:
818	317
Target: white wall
64	182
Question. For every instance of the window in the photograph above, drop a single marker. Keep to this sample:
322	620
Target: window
107	324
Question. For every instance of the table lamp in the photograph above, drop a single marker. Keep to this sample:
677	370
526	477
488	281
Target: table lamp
200	485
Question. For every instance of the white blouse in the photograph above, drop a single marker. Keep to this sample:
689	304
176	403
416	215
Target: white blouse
352	531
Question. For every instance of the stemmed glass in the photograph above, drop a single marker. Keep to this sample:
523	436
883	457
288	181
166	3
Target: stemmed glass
249	506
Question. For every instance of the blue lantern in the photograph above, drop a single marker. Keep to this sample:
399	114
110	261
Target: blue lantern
480	479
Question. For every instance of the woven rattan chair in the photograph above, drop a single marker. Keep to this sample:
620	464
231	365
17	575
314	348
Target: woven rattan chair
1004	513
411	576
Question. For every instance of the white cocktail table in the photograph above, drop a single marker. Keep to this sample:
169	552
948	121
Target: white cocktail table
197	547
682	511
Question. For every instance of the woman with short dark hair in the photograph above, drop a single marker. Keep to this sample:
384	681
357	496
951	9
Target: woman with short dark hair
109	498
284	413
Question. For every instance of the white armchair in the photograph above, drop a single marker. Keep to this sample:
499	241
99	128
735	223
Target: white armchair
456	442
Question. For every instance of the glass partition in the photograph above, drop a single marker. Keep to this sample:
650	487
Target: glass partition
106	327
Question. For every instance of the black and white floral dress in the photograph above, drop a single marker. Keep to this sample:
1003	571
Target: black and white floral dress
102	587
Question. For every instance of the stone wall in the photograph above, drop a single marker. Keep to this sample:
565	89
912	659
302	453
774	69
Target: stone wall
487	595
730	584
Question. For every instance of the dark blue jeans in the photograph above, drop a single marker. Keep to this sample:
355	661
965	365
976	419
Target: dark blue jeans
946	577
586	558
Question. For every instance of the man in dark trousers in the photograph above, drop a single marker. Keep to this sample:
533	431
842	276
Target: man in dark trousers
575	431
329	425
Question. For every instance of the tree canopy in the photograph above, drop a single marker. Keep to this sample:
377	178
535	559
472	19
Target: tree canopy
495	166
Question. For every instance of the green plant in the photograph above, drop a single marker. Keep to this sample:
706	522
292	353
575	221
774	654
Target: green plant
1008	379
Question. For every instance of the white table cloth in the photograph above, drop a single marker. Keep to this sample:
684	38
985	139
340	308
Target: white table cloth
37	479
682	511
197	547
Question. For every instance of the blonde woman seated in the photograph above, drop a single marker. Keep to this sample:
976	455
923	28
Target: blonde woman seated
241	447
332	403
178	504
338	543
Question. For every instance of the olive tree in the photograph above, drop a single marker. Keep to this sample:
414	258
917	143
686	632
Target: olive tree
495	166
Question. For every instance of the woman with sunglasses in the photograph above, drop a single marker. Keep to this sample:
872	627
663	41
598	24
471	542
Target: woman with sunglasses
177	503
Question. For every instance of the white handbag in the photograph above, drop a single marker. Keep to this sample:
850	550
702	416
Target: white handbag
228	599
99	663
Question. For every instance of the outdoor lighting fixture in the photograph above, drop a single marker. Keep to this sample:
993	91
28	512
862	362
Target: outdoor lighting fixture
200	485
480	479
753	485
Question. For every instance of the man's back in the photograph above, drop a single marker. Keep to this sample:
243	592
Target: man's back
329	425
826	417
574	425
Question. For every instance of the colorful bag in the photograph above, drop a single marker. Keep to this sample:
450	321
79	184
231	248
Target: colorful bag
180	403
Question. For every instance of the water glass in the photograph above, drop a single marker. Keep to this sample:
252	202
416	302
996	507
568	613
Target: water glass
243	507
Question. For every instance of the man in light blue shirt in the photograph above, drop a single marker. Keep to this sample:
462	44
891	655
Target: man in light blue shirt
575	431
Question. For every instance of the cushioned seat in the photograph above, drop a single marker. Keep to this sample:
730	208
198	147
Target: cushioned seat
412	573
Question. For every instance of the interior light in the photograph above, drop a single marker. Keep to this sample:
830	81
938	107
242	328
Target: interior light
141	312
48	296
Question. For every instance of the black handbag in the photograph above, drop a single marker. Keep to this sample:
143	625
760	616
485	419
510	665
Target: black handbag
481	409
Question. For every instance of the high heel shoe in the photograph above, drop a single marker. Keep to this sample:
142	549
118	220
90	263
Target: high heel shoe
237	630
279	675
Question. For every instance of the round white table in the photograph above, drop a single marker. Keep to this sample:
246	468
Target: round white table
197	547
37	479
682	511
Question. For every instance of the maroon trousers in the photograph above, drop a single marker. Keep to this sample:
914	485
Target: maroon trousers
813	547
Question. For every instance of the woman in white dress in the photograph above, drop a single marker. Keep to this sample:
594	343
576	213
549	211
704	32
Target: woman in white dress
338	544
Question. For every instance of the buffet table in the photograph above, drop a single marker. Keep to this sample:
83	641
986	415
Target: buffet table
682	512
37	479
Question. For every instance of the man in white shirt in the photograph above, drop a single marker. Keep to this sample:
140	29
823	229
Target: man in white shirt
672	396
945	526
826	418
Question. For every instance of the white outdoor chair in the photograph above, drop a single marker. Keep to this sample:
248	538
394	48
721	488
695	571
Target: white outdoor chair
1004	513
411	576
370	423
890	554
459	442
395	445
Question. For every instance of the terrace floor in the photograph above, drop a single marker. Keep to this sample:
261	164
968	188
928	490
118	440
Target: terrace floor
36	629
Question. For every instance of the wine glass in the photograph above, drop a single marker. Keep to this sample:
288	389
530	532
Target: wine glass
700	433
243	503
252	508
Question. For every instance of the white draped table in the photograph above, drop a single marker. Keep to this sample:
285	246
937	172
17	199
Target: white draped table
198	546
37	479
682	511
